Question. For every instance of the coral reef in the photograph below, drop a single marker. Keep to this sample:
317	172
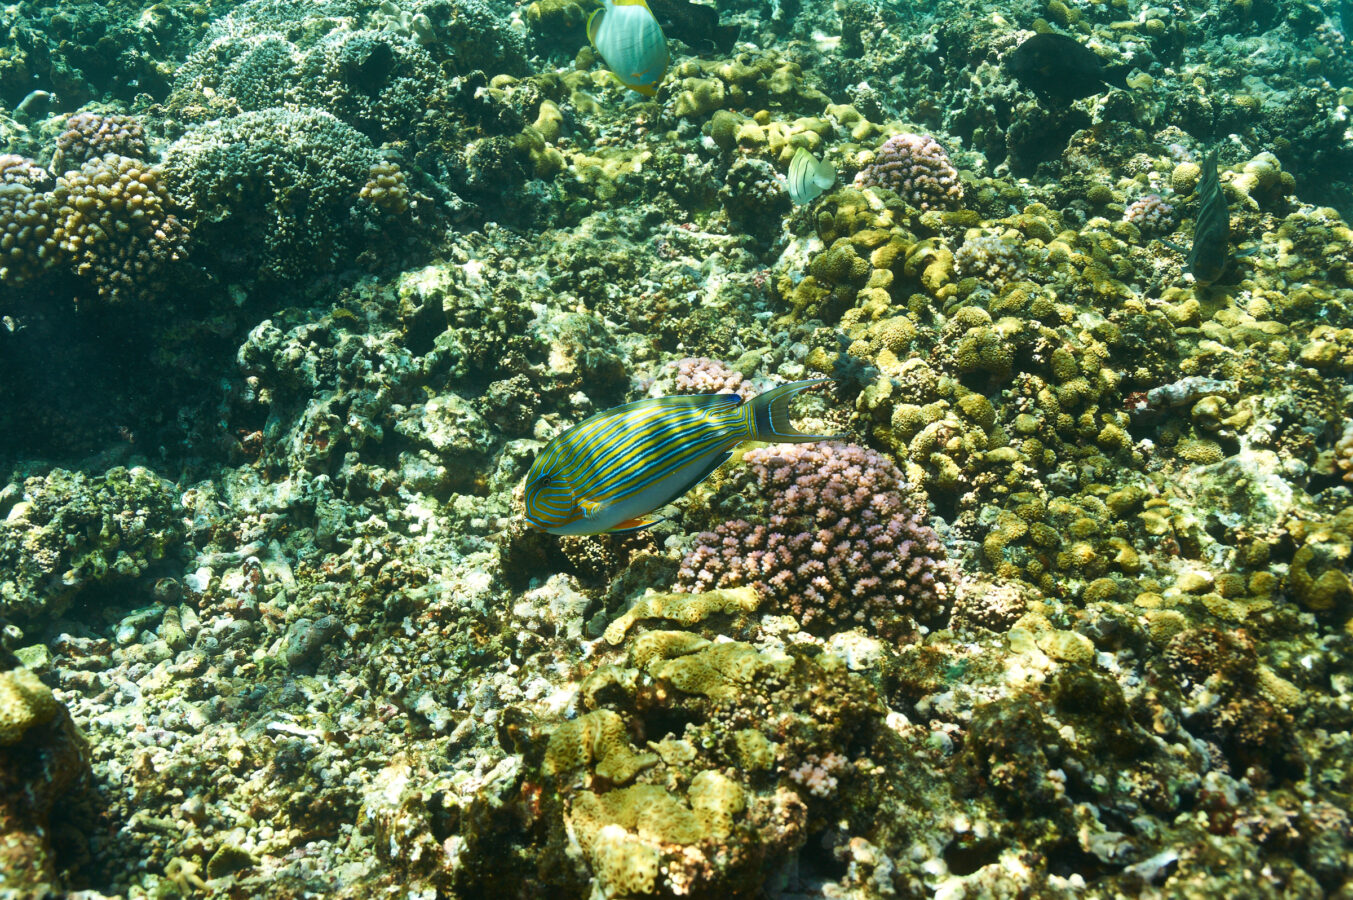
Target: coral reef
67	533
292	292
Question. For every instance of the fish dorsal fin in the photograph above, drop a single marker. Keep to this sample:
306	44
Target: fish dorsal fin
593	23
643	3
714	401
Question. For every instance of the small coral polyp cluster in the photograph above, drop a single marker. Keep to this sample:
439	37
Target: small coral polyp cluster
1152	214
841	542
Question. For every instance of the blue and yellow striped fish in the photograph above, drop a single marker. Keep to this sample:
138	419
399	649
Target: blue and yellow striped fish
609	472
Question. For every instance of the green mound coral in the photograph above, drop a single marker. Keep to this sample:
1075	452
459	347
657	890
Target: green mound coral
290	178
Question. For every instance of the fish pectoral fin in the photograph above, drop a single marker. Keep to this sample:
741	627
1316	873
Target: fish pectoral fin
638	523
590	508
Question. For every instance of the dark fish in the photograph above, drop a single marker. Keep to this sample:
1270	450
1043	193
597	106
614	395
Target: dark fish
1059	69
1210	256
694	24
1212	231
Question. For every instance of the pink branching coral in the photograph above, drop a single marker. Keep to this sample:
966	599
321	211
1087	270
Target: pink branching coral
701	375
1152	214
916	168
842	545
818	774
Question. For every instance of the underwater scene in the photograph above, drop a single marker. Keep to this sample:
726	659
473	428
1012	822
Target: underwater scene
608	449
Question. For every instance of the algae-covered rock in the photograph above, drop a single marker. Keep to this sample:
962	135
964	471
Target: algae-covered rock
71	532
44	768
24	702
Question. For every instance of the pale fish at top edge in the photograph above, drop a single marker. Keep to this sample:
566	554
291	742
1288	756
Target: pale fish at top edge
630	40
808	177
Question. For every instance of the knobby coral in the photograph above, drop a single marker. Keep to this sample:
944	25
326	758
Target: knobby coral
916	168
90	135
842	546
109	221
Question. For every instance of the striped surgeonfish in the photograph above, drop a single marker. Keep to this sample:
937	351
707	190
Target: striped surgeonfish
610	471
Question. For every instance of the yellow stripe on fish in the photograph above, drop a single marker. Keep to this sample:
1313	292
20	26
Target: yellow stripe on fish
611	471
629	38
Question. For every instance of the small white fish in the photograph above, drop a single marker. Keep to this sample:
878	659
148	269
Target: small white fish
808	177
629	38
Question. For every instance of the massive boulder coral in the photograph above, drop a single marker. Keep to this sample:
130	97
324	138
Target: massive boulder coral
290	178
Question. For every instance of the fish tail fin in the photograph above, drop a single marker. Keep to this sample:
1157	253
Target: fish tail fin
1117	75
770	414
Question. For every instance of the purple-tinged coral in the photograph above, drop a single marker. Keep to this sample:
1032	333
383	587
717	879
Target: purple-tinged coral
1343	454
842	545
90	135
989	258
15	169
916	168
1152	214
702	375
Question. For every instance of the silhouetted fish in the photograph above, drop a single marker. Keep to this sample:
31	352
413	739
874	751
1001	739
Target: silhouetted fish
1059	69
1210	256
1212	231
695	24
